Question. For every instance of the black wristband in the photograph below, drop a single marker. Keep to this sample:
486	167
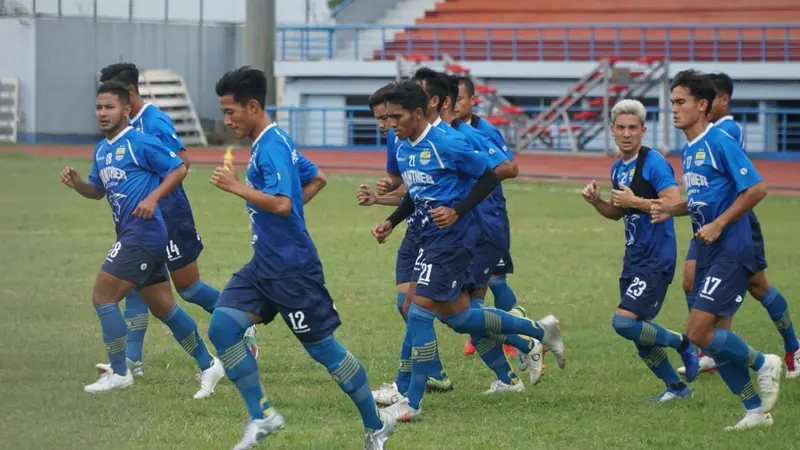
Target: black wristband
480	190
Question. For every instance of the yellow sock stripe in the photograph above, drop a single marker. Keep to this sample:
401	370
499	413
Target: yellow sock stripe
189	343
424	353
233	355
346	370
656	356
138	322
493	322
784	322
405	365
752	354
748	391
647	336
117	345
485	344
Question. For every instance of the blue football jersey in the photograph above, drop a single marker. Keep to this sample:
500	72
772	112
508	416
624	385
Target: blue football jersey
128	168
715	171
494	134
306	169
155	122
728	125
391	158
282	245
648	247
439	169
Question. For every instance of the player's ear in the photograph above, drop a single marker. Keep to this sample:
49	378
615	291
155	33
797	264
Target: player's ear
126	109
253	106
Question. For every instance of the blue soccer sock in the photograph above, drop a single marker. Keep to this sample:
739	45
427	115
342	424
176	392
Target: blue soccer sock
484	321
401	300
114	335
778	311
647	334
657	360
137	316
423	339
184	329
404	372
476	301
226	331
437	370
518	341
201	294
491	350
732	356
504	297
348	372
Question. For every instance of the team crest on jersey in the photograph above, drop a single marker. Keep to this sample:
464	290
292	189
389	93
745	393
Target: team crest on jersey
699	158
120	153
425	157
108	158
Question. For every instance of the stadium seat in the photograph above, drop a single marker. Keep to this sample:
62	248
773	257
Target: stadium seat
585	115
484	89
498	121
618	88
597	102
573	127
455	68
649	59
512	109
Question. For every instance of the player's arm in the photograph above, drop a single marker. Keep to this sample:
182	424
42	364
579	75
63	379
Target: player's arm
313	187
172	180
166	133
275	197
591	193
749	183
184	156
276	204
72	179
658	172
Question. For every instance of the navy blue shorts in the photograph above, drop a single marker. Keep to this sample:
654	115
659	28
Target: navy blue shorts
758	243
406	257
720	288
441	273
303	301
135	264
505	266
485	257
643	293
184	245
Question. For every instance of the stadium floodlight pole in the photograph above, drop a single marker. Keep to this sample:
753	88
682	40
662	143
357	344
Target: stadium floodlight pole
260	40
59	9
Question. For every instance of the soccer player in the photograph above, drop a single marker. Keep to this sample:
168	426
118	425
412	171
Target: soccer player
504	297
134	172
184	245
722	186
638	177
438	381
771	299
439	170
284	276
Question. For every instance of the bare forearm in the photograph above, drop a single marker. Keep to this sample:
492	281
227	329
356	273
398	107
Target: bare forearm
314	187
170	183
275	204
679	208
744	203
388	200
89	191
506	170
607	210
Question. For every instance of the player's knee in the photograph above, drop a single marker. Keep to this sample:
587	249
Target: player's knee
688	283
227	326
401	301
497	280
700	335
459	322
327	352
624	326
759	286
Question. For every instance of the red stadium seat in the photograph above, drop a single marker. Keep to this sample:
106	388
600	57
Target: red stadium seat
585	115
498	120
597	102
546	132
478	100
565	129
512	109
649	59
455	68
484	89
636	73
418	58
618	88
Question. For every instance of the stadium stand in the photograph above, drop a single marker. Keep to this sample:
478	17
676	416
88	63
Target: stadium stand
9	109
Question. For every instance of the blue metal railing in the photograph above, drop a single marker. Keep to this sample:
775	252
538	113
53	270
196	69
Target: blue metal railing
779	42
766	131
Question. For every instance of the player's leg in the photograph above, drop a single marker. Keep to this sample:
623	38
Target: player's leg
241	305
718	293
137	317
313	319
504	297
108	291
157	292
641	298
705	362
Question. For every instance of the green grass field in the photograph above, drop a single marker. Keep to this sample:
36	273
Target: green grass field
567	262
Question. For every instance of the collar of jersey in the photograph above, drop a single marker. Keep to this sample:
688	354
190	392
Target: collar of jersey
723	119
437	122
421	136
630	161
139	114
119	136
701	135
263	132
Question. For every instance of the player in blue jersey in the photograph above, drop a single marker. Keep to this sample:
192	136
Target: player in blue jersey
285	274
639	177
722	186
134	172
184	245
760	288
504	296
440	170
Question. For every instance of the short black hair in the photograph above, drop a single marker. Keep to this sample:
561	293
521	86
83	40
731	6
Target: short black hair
466	81
722	82
244	84
378	97
117	88
435	84
452	83
125	73
698	84
409	95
